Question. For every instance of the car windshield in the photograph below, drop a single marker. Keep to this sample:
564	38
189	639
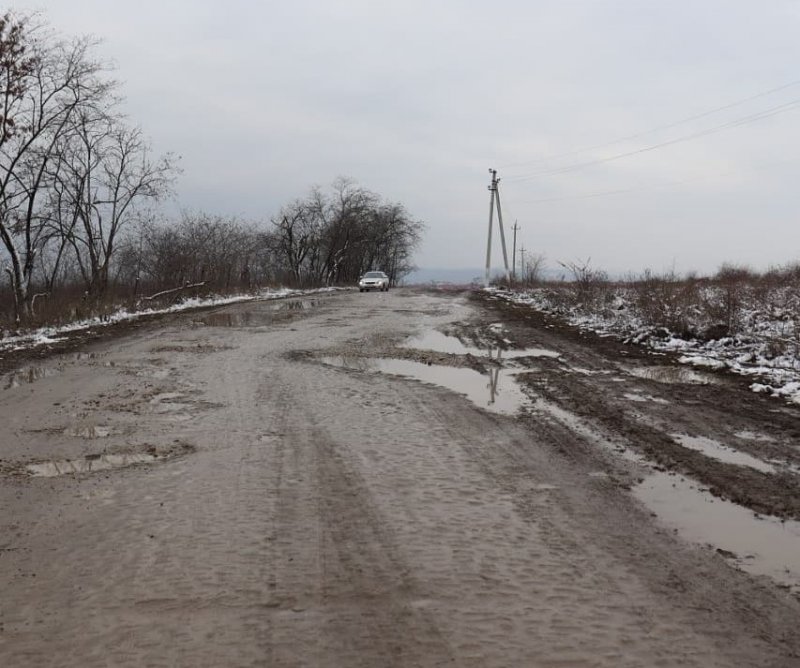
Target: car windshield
374	274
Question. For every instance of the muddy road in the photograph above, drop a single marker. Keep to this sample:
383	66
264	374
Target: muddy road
337	482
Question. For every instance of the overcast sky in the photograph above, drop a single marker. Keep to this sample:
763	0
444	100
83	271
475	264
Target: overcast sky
417	100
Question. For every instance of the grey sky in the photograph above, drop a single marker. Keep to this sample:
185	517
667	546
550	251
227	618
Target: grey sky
416	100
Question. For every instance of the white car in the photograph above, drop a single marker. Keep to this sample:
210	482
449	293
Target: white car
373	280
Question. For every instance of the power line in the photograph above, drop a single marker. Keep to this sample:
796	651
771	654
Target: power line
634	189
659	128
752	118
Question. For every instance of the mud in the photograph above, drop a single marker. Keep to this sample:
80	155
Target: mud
642	412
344	515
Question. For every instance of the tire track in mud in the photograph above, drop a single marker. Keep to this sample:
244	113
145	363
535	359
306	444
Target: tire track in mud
334	518
605	543
524	568
352	588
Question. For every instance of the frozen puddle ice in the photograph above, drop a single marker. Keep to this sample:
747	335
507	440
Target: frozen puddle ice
497	392
721	453
89	464
762	546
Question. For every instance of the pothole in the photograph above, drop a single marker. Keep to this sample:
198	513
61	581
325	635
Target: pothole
756	544
496	391
104	461
264	315
90	431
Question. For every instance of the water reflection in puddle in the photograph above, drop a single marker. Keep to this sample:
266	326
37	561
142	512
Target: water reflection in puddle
497	392
257	318
721	453
29	375
763	546
88	464
672	375
436	341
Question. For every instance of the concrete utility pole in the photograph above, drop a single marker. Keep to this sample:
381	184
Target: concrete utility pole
494	196
522	260
514	252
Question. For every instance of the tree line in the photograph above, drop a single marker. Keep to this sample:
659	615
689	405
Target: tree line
80	185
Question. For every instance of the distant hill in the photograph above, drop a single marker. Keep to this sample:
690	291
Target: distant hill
462	276
433	275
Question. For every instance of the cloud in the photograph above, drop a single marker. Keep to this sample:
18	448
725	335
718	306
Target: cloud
417	100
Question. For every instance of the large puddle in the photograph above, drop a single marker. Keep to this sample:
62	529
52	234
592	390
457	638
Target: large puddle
497	392
758	545
264	315
722	453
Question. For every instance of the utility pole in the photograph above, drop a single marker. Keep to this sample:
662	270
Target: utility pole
522	260
494	196
492	189
514	252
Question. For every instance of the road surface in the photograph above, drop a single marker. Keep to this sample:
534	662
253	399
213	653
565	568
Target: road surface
225	488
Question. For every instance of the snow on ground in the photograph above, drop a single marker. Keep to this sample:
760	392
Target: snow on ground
54	334
766	348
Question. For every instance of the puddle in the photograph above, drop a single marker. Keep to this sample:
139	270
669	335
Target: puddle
89	464
259	318
80	357
721	453
436	341
497	392
754	436
88	431
166	402
762	546
631	396
29	375
590	372
672	375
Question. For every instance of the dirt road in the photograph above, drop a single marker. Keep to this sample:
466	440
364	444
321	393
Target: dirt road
244	487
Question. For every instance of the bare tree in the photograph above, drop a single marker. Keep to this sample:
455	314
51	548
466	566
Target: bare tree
110	175
531	268
333	238
42	84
